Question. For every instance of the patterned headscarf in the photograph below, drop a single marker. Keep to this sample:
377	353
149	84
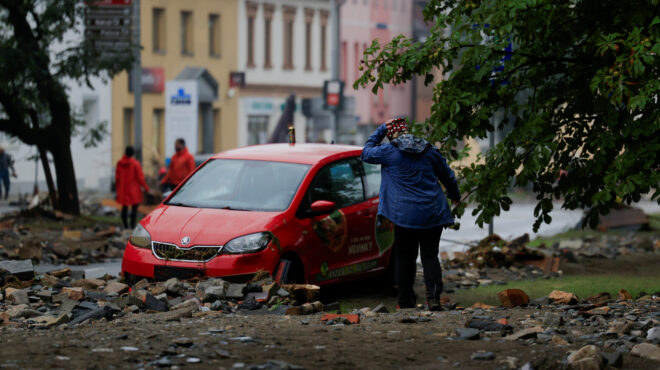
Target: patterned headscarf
395	125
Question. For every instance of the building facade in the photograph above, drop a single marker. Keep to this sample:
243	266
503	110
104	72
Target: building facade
361	22
283	48
181	40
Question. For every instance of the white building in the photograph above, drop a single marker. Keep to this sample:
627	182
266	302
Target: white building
284	47
92	165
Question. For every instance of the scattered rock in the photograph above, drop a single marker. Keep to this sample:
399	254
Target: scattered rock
560	297
624	295
646	350
61	272
485	325
557	340
586	358
183	342
525	333
653	335
75	294
351	318
553	319
22	270
614	359
380	309
101	312
116	288
305	309
513	298
235	291
17	296
152	303
467	333
173	286
89	284
482	355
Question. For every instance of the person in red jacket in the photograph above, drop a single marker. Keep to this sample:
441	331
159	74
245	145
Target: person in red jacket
129	180
181	165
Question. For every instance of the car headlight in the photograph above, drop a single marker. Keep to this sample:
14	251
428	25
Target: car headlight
140	237
250	243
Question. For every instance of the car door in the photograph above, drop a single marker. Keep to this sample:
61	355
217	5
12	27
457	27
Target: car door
382	229
337	242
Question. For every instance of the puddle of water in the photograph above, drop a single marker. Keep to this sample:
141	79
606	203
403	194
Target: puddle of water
92	271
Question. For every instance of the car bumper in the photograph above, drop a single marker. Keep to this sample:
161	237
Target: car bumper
141	262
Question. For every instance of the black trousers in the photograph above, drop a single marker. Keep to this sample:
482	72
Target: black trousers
406	244
124	216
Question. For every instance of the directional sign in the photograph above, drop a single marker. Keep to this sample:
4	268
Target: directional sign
108	23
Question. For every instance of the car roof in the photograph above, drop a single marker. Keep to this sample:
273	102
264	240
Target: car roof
297	153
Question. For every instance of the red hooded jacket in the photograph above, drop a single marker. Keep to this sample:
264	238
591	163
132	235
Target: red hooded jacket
181	165
129	179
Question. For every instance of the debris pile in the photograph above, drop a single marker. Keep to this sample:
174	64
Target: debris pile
493	251
67	246
58	298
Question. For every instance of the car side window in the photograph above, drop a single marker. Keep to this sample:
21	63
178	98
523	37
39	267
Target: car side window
338	182
372	177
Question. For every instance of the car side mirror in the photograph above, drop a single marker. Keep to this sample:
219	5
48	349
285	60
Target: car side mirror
322	207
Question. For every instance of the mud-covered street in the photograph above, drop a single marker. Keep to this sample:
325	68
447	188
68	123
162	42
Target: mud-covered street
238	340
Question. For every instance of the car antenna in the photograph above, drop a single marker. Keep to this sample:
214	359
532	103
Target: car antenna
292	135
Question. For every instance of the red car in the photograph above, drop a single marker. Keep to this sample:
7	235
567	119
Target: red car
304	212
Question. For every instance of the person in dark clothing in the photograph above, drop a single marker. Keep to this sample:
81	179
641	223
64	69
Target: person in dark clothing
6	164
412	198
129	181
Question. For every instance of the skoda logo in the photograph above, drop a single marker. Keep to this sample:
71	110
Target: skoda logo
185	240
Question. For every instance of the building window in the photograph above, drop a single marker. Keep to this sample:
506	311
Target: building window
157	132
216	130
186	33
344	62
324	45
257	129
158	23
356	51
214	35
289	18
268	22
309	17
128	126
251	14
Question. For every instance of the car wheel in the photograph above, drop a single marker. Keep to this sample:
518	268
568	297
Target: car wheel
289	271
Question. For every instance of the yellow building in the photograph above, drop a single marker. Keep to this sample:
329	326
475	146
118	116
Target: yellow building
180	38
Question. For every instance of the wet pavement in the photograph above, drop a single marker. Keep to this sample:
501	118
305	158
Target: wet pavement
92	270
517	221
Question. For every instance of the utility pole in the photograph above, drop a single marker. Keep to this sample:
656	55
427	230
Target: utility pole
334	18
137	84
491	227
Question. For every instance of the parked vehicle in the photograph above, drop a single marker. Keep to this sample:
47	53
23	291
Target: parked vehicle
304	212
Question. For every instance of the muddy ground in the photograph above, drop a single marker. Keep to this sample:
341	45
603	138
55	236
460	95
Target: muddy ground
381	342
216	340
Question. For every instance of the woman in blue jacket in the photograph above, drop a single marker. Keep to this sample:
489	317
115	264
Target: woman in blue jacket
412	198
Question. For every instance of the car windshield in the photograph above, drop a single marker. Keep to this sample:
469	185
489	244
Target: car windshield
246	185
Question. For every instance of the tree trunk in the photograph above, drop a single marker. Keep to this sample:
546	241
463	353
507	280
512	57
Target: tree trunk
66	176
43	154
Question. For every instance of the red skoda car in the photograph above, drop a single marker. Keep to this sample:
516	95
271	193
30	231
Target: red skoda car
304	212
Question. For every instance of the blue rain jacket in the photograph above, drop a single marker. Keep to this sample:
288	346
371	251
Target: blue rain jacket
410	194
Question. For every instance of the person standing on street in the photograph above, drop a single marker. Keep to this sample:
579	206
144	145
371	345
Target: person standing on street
6	164
181	165
129	180
412	198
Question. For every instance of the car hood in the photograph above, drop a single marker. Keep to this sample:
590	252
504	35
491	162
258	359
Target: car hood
170	224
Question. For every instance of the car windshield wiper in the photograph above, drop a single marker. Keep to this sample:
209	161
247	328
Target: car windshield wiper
178	204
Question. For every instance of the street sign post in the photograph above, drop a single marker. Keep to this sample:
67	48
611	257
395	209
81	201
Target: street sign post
333	94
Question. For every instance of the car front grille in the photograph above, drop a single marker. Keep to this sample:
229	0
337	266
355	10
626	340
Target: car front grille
171	252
